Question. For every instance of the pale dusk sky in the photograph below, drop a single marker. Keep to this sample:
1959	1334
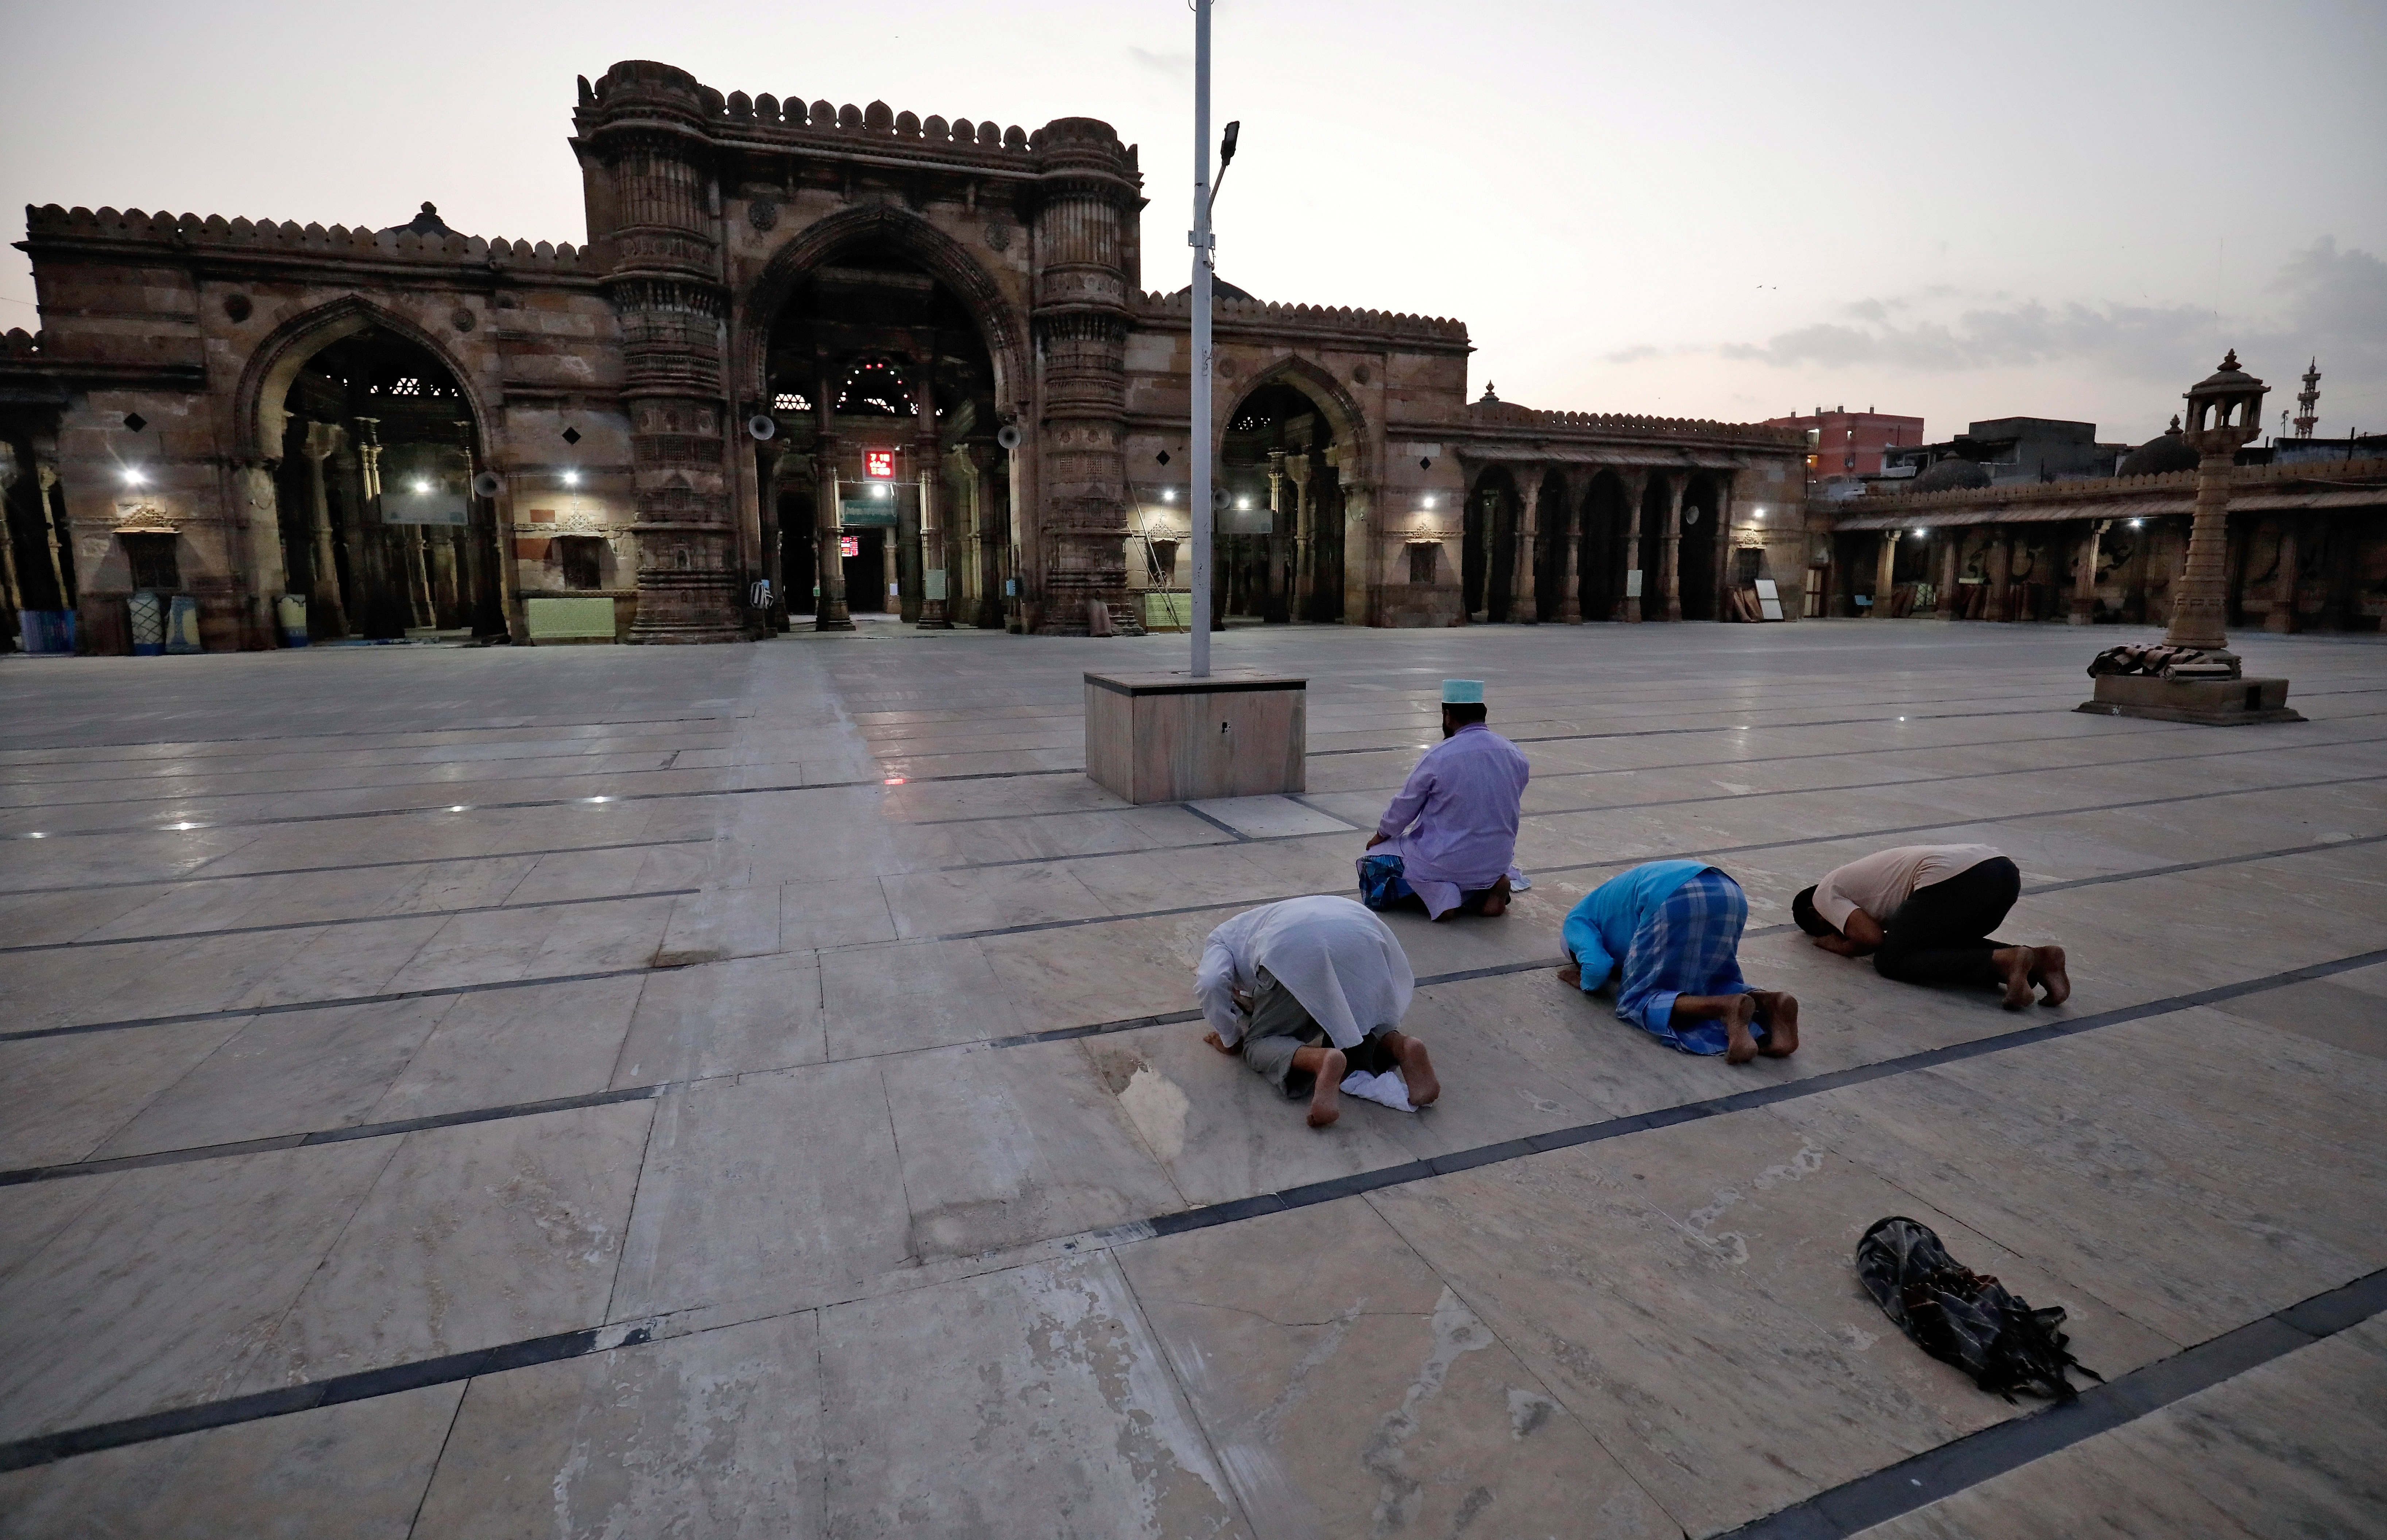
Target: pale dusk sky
1730	210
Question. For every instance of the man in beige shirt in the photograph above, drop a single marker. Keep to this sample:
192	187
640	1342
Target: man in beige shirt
1925	913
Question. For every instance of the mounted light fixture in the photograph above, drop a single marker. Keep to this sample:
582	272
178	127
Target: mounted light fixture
1428	503
134	478
571	478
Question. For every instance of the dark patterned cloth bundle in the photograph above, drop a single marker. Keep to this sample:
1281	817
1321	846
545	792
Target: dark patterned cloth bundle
1963	1318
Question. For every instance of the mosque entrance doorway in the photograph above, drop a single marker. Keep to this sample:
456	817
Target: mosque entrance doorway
1279	550
380	526
882	391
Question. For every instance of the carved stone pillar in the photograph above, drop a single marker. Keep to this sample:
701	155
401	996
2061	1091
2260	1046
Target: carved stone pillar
2084	576
1281	567
2284	618
326	615
1952	542
12	598
1670	566
1885	573
992	534
1570	556
1522	606
1305	596
642	139
832	614
1087	190
47	475
2000	576
935	612
1636	490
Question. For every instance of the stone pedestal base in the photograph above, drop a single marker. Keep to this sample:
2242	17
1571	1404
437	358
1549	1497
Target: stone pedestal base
1170	737
2214	703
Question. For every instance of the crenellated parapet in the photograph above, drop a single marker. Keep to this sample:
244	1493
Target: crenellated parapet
1176	309
823	121
1632	424
55	228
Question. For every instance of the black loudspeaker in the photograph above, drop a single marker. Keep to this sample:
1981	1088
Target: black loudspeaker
1219	500
762	428
487	485
1009	435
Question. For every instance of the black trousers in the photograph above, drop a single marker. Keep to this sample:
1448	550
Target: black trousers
1940	934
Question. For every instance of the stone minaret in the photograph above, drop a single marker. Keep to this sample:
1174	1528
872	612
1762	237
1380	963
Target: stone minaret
653	210
1086	202
2308	401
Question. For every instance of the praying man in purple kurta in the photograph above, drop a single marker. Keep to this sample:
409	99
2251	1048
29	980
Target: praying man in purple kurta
1449	839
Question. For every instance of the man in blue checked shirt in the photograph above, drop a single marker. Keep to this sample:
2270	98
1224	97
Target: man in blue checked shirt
1669	932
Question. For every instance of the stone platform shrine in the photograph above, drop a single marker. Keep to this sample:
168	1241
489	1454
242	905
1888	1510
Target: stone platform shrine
461	1093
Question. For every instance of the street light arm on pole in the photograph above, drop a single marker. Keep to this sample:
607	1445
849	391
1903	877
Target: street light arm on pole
1226	158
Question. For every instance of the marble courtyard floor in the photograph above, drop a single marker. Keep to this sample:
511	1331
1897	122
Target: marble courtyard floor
753	1092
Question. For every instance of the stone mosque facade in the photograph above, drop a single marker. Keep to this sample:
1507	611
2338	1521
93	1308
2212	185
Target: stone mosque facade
904	365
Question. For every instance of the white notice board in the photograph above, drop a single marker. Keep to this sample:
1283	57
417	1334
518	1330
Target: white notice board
1769	601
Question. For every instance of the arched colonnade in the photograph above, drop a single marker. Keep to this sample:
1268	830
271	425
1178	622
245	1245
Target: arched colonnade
1576	542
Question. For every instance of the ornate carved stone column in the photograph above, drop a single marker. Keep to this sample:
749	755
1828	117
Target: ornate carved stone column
324	605
11	596
1636	488
1885	571
1671	559
2084	576
1521	603
1304	539
1571	555
992	536
1087	190
832	614
935	612
1952	541
645	128
1999	574
2282	617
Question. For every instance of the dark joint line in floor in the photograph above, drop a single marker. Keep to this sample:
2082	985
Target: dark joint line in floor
915	780
2122	1399
1935	1474
195	874
351	919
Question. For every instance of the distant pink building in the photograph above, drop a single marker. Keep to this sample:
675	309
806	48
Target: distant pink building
1844	443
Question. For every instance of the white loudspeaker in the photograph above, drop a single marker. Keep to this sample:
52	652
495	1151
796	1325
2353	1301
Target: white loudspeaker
1219	500
487	485
1009	435
761	428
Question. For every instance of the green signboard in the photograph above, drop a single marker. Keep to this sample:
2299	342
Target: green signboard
873	513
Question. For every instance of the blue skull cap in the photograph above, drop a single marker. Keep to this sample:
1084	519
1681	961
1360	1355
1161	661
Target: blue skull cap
1462	692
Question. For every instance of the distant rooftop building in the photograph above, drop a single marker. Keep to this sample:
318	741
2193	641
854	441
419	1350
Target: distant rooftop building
1844	445
2010	450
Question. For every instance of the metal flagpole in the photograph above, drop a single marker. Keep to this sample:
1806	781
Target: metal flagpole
1203	261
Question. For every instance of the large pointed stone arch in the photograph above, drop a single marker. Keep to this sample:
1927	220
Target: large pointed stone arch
1001	325
1325	391
277	360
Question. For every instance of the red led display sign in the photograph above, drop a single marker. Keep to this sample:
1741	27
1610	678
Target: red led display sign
878	462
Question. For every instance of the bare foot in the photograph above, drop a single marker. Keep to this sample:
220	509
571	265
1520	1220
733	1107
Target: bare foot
1496	903
2051	974
2016	963
1742	1042
1781	1023
1229	1049
1417	1072
1326	1100
1570	976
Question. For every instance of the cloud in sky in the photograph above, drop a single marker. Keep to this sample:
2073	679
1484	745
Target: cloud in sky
2336	299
